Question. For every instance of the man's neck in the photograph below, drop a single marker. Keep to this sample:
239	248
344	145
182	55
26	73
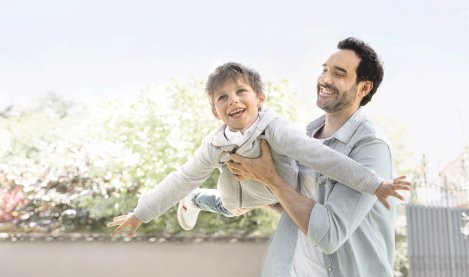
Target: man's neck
334	121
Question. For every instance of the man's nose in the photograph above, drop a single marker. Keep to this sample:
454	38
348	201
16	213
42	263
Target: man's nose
324	78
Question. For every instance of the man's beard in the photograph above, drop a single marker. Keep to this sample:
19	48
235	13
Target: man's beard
344	99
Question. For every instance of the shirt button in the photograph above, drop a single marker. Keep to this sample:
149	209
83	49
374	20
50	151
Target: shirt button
329	269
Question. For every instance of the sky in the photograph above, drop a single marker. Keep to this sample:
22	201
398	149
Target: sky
88	50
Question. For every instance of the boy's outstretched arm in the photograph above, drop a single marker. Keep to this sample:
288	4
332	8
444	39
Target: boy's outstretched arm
125	221
383	191
390	188
297	206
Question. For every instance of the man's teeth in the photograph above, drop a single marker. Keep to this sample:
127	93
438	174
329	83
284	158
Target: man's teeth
326	91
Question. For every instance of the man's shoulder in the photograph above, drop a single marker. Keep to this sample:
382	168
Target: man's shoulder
367	131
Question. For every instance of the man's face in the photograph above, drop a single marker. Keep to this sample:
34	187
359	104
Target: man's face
336	86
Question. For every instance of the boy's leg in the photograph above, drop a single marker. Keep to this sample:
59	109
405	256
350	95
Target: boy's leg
199	199
209	200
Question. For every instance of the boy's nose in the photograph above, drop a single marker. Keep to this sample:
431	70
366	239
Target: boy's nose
234	99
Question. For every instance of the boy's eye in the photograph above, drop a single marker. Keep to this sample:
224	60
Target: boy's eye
222	97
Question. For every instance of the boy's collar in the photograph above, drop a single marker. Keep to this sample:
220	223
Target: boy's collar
237	137
218	138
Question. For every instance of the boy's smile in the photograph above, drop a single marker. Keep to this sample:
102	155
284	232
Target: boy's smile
236	104
237	113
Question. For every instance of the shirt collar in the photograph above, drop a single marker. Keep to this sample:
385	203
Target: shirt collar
236	137
345	132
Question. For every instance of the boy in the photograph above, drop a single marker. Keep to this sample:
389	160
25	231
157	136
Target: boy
236	97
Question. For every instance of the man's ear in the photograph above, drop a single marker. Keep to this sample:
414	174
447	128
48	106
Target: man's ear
365	88
214	112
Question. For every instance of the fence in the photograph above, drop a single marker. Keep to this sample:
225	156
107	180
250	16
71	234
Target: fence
436	245
441	195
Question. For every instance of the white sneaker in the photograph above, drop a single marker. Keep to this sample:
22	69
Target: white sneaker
188	212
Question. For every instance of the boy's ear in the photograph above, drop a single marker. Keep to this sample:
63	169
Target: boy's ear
214	112
261	98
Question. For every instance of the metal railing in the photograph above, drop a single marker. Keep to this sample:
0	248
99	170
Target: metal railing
436	244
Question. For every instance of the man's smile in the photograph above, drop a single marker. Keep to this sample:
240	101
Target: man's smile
323	91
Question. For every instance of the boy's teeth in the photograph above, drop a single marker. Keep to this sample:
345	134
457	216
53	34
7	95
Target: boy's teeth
237	111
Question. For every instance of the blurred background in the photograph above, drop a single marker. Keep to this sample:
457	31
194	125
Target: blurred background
99	100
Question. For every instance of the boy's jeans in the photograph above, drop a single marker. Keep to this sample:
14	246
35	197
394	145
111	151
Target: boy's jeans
209	200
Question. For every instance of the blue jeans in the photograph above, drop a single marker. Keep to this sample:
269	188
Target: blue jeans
209	200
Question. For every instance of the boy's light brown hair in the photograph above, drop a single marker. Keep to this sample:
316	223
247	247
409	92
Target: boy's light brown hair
232	71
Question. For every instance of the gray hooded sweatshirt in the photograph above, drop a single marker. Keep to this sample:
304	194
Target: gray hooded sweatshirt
287	145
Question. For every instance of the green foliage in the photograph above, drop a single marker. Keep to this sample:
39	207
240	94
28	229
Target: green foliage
281	99
42	154
159	132
79	167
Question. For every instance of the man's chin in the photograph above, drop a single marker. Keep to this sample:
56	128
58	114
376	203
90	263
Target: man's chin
327	108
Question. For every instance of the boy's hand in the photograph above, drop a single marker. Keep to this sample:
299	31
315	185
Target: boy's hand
389	188
123	222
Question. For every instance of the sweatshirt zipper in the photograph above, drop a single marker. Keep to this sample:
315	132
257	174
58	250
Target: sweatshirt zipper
239	183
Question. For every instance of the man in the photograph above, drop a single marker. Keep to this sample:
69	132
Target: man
343	232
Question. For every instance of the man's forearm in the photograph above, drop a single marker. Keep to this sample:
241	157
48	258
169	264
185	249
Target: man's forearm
277	208
297	206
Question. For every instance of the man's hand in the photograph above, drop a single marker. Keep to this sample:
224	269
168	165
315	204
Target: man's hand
129	221
261	169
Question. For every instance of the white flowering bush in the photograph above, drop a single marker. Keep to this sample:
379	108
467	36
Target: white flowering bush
68	167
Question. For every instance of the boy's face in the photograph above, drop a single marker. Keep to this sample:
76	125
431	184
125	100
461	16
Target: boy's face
236	104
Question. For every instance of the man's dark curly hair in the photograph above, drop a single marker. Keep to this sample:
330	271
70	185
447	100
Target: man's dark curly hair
370	67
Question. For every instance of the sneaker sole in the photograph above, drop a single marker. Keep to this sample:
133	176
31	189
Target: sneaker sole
180	218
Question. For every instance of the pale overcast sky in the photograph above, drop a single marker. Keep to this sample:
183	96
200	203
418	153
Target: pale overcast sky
87	50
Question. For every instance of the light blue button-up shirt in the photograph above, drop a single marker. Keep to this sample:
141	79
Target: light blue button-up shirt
353	230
